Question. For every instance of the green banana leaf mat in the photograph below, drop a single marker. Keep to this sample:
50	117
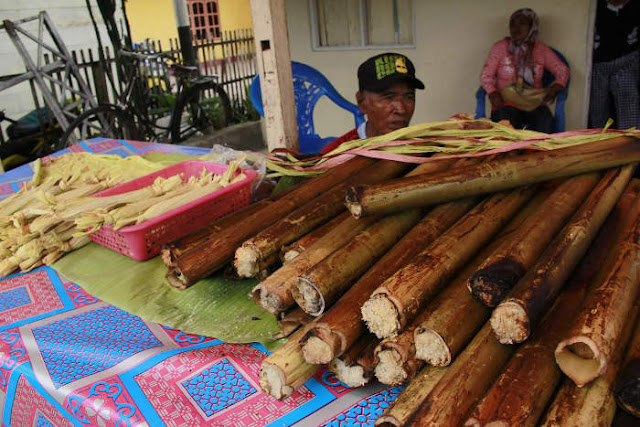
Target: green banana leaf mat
214	307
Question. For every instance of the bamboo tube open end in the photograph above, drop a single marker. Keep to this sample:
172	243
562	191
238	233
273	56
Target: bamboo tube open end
316	351
352	203
381	316
387	421
493	282
510	323
176	279
628	389
246	261
580	359
431	347
389	368
273	382
269	301
308	297
353	376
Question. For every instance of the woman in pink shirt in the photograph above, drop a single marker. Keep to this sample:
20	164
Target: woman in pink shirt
518	62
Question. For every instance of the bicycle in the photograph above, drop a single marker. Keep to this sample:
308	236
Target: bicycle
28	137
201	105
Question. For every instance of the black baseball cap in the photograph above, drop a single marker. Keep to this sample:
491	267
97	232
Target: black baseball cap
381	71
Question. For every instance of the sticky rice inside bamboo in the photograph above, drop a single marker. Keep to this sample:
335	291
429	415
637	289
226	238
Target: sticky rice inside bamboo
381	316
431	347
510	323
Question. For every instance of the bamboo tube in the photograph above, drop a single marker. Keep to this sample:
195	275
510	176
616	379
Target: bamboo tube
341	325
410	399
454	316
175	249
284	370
515	317
498	175
307	217
213	253
355	367
319	287
595	403
396	359
499	273
627	391
290	321
274	293
520	394
399	298
464	382
291	251
588	347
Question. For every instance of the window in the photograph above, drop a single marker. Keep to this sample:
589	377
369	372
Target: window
205	19
357	24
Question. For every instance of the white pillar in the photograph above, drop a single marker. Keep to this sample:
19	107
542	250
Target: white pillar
274	68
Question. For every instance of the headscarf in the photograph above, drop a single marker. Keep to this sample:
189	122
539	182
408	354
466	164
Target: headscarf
523	51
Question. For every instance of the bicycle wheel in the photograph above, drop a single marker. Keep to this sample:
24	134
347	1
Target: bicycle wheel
108	121
201	109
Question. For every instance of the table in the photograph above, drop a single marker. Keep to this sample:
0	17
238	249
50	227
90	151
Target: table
68	358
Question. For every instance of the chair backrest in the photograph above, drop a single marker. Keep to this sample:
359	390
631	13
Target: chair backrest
309	85
559	117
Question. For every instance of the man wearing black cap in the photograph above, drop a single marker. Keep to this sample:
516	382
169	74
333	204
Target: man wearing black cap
387	86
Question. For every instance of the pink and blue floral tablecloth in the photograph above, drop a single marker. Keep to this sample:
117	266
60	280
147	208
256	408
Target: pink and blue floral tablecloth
68	358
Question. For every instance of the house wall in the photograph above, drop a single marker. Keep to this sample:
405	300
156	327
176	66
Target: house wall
155	19
452	39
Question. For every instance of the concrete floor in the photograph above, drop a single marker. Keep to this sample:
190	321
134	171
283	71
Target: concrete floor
243	136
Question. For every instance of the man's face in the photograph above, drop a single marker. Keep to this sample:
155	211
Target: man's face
388	110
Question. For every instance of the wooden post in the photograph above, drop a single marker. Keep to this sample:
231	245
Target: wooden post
274	68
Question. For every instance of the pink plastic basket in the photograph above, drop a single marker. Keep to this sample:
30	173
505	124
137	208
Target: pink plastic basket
145	240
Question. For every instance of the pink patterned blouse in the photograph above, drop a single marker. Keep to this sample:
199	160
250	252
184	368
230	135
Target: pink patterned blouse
499	69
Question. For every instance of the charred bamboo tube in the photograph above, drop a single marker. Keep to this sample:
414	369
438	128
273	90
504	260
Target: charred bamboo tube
399	298
291	251
410	399
284	370
274	293
341	325
396	359
355	367
499	273
588	347
515	317
464	382
520	394
319	287
290	321
208	257
454	316
307	217
627	391
175	249
594	404
499	175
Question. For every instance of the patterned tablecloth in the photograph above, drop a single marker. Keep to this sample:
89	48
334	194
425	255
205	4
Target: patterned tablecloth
67	358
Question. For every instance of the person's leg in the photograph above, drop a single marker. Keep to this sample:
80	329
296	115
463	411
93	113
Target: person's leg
515	116
625	87
540	119
600	100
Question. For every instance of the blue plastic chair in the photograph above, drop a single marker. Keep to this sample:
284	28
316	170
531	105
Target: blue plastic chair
559	118
309	85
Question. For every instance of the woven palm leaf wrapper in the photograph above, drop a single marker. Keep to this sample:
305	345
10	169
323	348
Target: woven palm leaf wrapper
454	138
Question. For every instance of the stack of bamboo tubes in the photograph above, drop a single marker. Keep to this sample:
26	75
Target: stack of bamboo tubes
502	290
